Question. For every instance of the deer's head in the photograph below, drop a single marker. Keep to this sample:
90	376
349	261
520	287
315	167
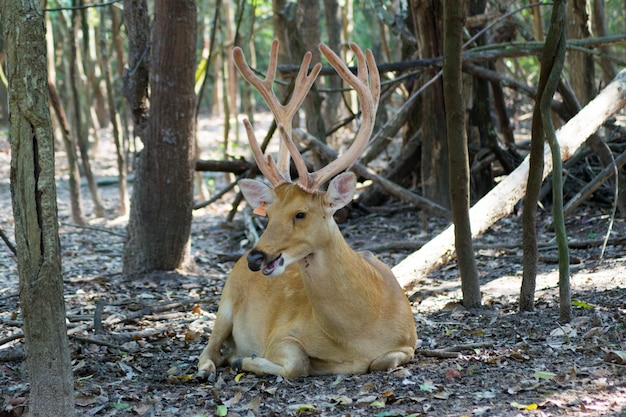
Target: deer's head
300	216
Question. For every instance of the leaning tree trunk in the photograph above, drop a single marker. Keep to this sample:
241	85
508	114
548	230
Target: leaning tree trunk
161	209
34	208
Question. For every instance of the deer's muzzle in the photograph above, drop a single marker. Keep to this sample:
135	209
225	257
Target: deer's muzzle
258	260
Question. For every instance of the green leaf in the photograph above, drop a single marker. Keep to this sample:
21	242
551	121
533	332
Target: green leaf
221	410
379	404
544	375
120	406
303	407
428	387
519	406
582	304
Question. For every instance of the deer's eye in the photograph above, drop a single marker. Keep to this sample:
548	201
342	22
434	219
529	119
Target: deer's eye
300	215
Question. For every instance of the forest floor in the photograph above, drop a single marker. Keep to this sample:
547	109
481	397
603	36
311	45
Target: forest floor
142	360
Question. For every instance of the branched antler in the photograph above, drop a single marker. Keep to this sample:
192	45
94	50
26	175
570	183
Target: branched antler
367	85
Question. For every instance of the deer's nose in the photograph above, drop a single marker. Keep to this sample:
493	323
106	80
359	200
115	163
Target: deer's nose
255	260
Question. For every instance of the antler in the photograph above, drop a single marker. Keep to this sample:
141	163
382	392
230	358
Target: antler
369	95
276	173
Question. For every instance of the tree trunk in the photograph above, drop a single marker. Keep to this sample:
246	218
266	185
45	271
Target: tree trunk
160	218
333	110
581	65
135	79
457	151
308	18
500	201
80	125
34	208
114	117
69	143
554	56
434	174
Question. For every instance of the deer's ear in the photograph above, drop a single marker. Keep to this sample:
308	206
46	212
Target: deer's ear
257	194
340	191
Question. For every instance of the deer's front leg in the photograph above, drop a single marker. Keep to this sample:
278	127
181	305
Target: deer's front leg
213	356
286	358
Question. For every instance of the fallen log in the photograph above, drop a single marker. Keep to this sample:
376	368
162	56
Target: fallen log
500	201
237	166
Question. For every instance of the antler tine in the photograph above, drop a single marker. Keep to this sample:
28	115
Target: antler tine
282	113
298	161
369	95
266	166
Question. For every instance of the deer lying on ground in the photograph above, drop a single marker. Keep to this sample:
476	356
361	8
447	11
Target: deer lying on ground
302	302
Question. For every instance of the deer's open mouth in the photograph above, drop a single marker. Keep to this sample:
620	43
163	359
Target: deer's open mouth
270	267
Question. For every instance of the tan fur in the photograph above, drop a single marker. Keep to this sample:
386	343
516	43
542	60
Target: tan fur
333	311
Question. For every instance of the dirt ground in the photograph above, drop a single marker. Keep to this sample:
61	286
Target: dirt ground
141	362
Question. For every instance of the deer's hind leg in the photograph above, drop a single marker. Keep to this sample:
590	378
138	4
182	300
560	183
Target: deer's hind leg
286	358
391	359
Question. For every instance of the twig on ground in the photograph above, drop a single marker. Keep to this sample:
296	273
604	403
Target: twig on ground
95	228
452	351
98	342
8	242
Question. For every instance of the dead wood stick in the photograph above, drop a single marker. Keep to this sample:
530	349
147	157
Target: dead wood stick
11	338
152	310
98	342
136	335
452	351
95	228
467	346
385	185
437	353
215	196
8	242
594	184
13	356
237	166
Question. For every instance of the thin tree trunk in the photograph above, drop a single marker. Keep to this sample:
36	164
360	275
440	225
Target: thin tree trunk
332	102
81	134
114	117
135	80
35	211
542	128
500	201
70	153
457	151
555	47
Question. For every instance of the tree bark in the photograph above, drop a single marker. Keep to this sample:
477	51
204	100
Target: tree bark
136	77
34	208
434	174
69	143
500	201
458	156
581	65
161	209
80	126
114	117
554	56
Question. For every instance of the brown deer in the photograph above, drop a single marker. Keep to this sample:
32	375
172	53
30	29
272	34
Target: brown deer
302	302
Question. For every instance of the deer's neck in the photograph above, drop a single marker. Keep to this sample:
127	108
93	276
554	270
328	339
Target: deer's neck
340	284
